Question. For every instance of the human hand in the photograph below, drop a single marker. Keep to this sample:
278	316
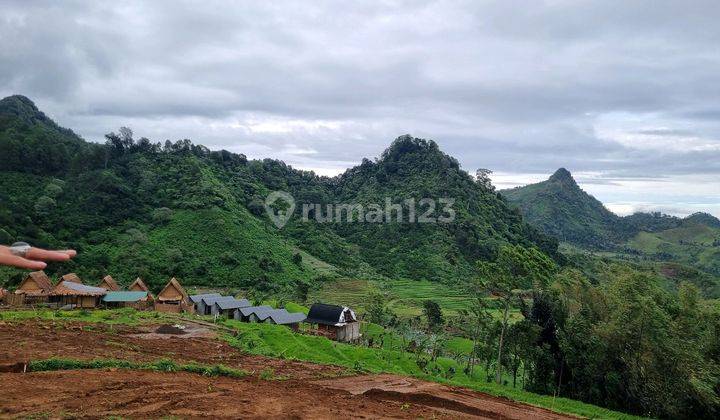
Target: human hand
22	255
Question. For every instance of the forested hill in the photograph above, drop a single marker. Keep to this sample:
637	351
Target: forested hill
133	207
561	208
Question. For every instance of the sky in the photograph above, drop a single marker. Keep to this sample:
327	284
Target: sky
624	94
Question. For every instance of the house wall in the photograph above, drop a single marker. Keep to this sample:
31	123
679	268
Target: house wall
30	286
170	293
214	310
349	332
169	308
87	301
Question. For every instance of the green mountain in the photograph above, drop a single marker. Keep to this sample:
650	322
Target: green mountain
133	207
562	209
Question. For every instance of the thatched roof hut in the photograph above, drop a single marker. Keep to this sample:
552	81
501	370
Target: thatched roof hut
108	283
36	283
173	292
72	293
72	277
139	286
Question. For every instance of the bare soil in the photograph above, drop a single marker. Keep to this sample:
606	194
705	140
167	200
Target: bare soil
307	390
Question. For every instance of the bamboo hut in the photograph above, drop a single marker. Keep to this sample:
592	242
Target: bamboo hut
68	292
34	288
173	298
70	277
139	286
108	283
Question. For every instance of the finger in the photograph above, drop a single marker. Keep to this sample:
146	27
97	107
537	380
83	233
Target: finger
19	262
45	255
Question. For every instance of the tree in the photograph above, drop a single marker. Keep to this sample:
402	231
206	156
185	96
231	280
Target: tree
377	311
475	323
482	177
433	314
516	269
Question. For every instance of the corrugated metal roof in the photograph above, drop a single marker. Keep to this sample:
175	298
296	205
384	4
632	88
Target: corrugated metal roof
283	317
209	300
321	313
247	311
233	304
124	296
80	289
197	298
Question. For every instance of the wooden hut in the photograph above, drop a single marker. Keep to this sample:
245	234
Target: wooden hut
69	292
139	286
173	298
70	277
108	283
336	322
34	288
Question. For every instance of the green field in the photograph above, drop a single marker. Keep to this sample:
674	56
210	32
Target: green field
404	297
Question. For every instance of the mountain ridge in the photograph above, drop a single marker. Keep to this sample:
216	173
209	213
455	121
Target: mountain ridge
133	207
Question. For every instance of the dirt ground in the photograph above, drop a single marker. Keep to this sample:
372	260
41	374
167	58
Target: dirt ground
306	391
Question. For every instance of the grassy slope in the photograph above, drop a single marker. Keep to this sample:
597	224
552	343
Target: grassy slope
691	244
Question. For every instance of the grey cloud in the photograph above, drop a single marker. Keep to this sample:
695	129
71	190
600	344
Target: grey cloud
515	86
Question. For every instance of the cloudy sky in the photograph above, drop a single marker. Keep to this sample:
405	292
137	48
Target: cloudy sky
624	94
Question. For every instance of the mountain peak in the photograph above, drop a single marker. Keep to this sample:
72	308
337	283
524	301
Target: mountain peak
562	175
18	102
703	219
22	108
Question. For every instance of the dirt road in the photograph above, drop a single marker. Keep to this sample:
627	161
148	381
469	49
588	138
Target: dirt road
307	390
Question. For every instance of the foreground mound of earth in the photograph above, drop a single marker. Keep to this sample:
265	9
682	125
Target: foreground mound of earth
296	389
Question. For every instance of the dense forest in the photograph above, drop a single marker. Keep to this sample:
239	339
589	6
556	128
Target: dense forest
593	328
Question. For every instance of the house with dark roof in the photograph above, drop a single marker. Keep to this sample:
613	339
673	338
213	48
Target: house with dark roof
227	307
283	317
196	301
206	303
244	314
335	322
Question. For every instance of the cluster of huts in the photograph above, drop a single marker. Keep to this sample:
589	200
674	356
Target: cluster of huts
243	310
71	292
336	322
